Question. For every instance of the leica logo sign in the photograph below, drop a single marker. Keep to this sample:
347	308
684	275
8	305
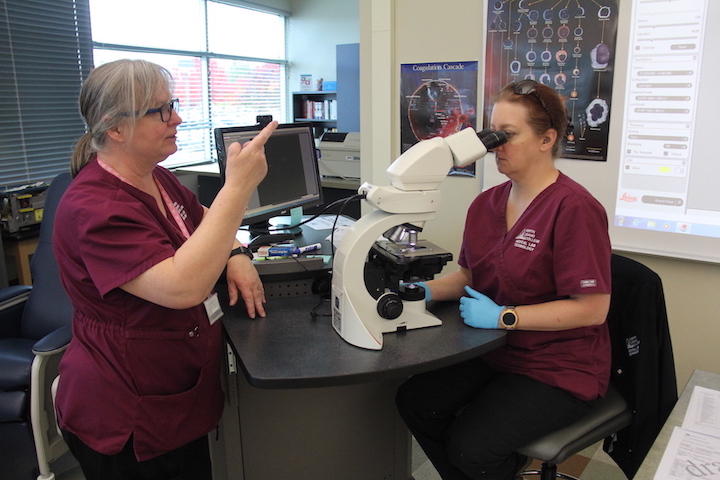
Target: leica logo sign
628	198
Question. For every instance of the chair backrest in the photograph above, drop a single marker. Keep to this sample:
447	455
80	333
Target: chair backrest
637	309
3	270
48	307
643	369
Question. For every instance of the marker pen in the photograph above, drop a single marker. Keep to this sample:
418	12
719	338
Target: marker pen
285	250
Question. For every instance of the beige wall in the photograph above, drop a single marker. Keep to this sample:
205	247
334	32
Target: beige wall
393	32
315	28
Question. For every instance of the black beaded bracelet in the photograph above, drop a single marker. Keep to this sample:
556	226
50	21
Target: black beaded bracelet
241	251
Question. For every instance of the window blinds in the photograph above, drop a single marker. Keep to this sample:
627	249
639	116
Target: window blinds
45	52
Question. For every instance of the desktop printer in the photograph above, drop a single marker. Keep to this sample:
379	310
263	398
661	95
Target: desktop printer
340	154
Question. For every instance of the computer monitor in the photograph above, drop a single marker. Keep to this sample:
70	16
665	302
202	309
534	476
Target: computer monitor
292	180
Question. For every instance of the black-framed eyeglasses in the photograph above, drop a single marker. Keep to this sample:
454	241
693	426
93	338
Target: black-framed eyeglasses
527	87
166	109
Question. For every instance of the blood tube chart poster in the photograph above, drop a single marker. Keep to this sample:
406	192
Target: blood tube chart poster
568	46
437	100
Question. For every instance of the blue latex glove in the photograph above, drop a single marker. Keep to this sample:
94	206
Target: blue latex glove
478	310
428	294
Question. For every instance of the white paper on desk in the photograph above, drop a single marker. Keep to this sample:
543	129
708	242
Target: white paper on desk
690	455
703	413
327	222
338	235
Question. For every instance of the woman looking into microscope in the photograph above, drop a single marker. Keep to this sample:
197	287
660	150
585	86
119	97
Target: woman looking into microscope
535	259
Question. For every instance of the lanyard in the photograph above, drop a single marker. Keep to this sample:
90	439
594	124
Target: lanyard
171	207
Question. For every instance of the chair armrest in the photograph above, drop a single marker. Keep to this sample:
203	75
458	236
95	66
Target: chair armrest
54	342
13	295
12	304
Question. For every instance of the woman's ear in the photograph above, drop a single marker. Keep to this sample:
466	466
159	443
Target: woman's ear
117	133
549	138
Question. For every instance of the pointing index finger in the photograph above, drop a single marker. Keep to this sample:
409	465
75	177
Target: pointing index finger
262	137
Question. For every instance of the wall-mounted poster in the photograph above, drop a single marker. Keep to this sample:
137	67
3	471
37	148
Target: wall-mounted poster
437	100
569	46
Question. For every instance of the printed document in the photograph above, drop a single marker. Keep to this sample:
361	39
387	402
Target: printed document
693	451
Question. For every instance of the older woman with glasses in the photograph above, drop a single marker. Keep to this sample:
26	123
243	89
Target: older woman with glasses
535	260
139	257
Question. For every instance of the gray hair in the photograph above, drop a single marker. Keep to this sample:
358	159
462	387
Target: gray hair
109	97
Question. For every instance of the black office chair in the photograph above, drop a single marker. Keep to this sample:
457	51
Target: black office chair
3	271
34	333
632	413
610	414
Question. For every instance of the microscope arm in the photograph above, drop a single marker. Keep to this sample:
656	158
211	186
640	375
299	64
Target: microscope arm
426	164
356	315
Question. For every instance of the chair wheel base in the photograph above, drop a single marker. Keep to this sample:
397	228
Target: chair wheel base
548	472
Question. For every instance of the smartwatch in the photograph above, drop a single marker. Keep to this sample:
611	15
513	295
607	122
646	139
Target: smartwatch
508	318
241	251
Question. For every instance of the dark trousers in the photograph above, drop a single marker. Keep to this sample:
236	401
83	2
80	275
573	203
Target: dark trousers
190	462
469	419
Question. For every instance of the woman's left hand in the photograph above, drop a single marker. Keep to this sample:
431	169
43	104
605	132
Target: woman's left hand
478	310
243	281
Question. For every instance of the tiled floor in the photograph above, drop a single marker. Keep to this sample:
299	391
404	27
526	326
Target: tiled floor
67	468
590	464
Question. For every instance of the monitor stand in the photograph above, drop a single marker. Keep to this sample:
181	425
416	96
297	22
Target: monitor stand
268	232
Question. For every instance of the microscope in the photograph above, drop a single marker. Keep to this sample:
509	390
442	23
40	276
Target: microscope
381	252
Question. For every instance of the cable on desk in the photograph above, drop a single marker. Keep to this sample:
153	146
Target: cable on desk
343	201
299	263
314	314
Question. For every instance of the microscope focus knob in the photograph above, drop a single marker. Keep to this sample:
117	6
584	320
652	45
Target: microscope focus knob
389	306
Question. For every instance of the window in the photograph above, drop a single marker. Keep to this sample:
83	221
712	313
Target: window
228	61
45	52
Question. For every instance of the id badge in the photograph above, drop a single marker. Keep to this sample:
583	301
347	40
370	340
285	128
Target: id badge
212	307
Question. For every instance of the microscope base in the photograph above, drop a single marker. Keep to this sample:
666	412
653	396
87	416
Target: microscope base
366	329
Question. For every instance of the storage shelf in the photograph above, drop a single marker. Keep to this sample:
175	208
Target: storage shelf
323	102
315	92
314	120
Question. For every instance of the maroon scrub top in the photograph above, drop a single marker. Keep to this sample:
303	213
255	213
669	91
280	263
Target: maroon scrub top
557	248
132	367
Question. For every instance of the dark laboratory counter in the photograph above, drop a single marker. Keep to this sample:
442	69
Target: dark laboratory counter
307	404
303	403
291	349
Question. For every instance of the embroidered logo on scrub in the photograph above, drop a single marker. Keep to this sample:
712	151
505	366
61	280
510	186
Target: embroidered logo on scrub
588	283
181	210
633	345
527	240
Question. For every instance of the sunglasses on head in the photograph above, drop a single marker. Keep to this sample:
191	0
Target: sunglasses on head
529	87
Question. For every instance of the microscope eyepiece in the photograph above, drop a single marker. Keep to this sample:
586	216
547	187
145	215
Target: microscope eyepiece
492	138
